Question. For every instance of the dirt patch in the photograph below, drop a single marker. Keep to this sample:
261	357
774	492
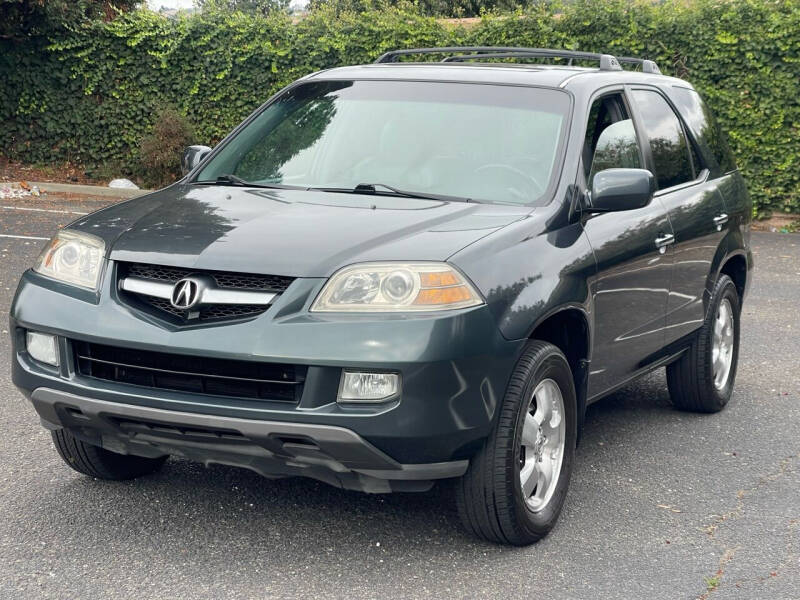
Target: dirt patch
55	197
787	223
57	202
12	171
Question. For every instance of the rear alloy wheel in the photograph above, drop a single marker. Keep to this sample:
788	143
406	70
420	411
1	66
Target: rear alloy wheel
101	463
702	378
722	344
516	484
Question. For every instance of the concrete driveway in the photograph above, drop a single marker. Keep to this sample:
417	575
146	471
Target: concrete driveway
663	504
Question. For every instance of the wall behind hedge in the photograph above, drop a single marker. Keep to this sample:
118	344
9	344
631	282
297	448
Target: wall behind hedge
90	95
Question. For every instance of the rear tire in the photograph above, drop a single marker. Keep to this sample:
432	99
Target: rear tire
94	461
702	379
493	502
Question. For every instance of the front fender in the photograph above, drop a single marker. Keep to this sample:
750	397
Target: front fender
528	273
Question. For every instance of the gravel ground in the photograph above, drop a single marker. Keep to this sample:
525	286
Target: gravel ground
663	504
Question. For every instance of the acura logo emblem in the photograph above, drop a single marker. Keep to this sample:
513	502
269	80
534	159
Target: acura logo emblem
186	293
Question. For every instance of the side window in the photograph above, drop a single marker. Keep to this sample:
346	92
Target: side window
616	148
710	138
668	142
610	140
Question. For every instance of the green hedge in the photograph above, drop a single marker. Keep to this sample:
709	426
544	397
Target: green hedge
89	96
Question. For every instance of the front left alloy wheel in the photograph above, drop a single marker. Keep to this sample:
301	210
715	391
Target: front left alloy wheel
516	484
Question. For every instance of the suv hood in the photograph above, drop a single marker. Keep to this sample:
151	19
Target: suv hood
296	233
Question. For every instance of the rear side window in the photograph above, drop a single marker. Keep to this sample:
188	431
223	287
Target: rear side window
710	138
668	144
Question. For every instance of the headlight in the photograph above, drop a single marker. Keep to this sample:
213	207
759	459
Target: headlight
396	287
74	258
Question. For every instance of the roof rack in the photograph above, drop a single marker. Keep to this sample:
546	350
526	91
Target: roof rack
607	62
648	66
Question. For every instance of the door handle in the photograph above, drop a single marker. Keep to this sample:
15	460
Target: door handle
720	220
664	240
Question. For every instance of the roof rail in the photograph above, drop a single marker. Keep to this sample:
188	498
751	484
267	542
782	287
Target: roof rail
648	66
607	62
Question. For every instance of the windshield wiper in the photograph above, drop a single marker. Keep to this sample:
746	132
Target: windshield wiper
373	189
233	179
230	179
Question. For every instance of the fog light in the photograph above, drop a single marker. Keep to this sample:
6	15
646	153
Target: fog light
368	387
42	347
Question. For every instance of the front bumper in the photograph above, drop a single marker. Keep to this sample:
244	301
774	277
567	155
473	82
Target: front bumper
335	455
454	370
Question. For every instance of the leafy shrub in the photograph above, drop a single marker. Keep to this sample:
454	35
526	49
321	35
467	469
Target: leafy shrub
20	18
86	95
160	150
262	7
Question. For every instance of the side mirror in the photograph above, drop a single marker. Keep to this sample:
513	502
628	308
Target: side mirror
193	156
621	189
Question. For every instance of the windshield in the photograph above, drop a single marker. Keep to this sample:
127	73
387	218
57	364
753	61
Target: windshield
487	143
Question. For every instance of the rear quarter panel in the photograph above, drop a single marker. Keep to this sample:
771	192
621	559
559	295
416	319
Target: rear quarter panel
739	207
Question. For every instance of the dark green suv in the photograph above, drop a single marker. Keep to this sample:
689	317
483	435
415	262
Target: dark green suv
398	273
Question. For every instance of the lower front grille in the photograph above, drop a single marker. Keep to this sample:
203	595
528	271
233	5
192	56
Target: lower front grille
194	374
160	429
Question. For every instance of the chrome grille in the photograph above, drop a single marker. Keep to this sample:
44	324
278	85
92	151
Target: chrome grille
168	275
213	311
235	281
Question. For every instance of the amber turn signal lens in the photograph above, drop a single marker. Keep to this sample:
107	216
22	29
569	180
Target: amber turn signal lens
449	295
440	279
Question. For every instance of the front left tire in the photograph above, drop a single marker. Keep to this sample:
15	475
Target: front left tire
515	486
98	462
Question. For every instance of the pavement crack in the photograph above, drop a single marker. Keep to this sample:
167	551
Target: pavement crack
734	513
713	582
789	557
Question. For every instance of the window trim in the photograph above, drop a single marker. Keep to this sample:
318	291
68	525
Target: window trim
700	176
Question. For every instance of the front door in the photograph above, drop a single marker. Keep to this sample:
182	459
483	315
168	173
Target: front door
633	253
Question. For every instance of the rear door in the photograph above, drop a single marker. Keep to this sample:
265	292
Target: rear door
632	251
694	204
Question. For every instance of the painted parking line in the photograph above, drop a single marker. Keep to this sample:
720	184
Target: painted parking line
23	237
47	210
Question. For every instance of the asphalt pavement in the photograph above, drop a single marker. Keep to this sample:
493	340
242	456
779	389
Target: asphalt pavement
663	504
